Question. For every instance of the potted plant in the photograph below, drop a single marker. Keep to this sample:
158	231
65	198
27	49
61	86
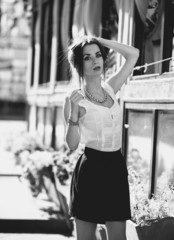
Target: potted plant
152	218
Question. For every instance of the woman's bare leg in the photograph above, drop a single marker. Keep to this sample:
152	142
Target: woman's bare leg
85	230
116	230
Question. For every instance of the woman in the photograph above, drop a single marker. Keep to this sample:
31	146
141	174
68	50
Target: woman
99	187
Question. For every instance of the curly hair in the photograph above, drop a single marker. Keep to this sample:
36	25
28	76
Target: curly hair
75	52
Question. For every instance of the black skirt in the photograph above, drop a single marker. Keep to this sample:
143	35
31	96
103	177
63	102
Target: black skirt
99	187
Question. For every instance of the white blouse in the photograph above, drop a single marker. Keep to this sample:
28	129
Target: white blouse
100	127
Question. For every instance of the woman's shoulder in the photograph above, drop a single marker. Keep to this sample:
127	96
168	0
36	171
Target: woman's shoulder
108	88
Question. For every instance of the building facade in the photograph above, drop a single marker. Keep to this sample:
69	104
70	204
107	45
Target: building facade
147	98
14	42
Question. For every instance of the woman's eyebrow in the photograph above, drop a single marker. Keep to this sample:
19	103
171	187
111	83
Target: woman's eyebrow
86	54
90	54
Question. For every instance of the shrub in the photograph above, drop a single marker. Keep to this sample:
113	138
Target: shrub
146	210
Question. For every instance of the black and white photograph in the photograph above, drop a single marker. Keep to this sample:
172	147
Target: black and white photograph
87	119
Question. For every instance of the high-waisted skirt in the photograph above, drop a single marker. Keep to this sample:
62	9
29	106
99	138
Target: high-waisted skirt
99	187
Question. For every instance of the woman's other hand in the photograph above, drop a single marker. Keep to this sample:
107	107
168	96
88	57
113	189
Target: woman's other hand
75	97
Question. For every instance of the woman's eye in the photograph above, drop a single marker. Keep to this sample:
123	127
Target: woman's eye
86	58
98	55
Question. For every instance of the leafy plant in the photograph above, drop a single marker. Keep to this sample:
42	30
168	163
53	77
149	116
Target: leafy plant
147	210
19	142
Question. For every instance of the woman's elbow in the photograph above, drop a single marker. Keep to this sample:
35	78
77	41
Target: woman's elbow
135	55
136	52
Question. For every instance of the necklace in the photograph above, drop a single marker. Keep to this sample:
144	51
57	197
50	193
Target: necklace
91	97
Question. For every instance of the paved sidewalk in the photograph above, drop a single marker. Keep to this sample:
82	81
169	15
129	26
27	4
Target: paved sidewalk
130	232
21	236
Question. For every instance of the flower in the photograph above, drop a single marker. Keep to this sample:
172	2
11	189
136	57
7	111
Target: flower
41	159
146	210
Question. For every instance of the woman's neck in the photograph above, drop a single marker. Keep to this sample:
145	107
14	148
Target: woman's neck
94	85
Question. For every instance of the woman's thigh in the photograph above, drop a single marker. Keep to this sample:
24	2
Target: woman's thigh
116	230
85	230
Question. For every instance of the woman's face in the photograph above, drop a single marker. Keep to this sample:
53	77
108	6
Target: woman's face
92	60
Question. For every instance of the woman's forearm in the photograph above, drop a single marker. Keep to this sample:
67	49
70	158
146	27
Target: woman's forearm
125	50
72	136
72	131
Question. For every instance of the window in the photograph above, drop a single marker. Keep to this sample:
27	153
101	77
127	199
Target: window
109	20
139	147
154	24
46	40
64	25
148	143
35	37
165	147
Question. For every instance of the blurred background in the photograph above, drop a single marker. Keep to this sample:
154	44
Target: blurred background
35	164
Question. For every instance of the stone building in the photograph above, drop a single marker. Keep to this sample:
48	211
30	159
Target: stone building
14	43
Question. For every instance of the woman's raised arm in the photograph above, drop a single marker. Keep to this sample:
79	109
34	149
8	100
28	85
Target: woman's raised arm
130	54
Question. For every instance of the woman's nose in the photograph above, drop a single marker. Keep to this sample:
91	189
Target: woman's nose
94	59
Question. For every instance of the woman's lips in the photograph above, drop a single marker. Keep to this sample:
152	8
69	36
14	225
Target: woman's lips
97	68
